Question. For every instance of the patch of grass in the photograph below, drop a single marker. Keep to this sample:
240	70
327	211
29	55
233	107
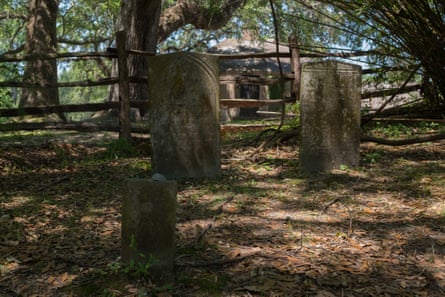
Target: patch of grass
372	157
399	130
144	165
134	270
21	135
428	127
392	130
120	148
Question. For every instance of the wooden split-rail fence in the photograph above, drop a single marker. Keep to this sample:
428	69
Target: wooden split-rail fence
123	80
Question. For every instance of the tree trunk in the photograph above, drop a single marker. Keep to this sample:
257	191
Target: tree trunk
41	38
141	23
140	19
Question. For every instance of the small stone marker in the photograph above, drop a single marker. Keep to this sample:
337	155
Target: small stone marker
149	224
330	116
184	113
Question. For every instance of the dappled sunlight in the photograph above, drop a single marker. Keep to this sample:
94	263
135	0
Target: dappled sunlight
262	229
14	202
345	230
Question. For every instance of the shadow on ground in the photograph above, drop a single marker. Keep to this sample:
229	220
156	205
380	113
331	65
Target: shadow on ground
263	229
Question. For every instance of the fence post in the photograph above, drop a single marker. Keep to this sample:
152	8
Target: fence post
124	88
295	67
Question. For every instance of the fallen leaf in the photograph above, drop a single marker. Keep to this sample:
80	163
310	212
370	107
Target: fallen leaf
63	277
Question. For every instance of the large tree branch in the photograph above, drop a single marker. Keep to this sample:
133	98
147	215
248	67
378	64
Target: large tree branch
209	17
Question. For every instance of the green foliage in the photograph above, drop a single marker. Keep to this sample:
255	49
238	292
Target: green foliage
392	130
256	17
295	109
139	270
86	26
373	157
428	127
212	6
405	32
83	25
134	269
120	148
6	99
11	39
321	26
81	71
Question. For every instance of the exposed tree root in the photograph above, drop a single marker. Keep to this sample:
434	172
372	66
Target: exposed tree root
280	137
398	142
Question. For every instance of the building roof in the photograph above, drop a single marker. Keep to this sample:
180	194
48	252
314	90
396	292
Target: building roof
250	65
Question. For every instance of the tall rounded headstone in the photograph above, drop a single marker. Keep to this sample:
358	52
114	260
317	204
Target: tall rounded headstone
330	116
184	113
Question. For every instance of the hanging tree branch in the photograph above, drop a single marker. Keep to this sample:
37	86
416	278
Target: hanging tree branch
412	26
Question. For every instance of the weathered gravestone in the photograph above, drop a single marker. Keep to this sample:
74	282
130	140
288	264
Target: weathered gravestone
184	113
330	116
148	226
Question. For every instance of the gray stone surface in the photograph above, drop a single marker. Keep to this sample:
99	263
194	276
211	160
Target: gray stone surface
330	116
184	113
148	226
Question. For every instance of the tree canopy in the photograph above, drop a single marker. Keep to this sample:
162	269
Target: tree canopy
403	34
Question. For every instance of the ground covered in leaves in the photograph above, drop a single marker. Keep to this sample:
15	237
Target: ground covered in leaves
263	229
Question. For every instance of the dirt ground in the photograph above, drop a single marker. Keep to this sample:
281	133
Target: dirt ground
263	229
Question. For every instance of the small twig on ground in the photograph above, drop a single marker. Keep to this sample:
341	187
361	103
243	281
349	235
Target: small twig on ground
330	203
351	227
258	149
277	137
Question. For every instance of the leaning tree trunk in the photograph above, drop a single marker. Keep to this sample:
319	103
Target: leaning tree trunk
41	39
